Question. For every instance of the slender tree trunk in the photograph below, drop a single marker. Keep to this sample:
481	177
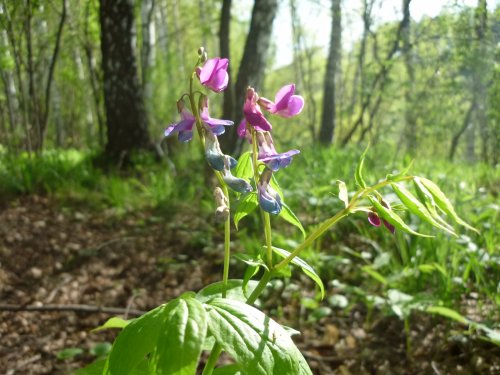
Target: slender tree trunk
305	72
410	127
147	50
480	73
253	63
456	137
329	111
224	46
126	117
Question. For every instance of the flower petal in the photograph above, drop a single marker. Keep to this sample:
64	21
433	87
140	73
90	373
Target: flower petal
373	219
295	106
283	97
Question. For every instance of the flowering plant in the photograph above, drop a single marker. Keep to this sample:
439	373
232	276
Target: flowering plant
222	317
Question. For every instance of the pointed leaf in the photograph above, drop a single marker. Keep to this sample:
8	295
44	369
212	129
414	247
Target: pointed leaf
448	313
392	218
375	274
248	204
256	342
417	208
343	196
306	268
181	341
244	167
143	332
358	175
114	322
287	214
443	202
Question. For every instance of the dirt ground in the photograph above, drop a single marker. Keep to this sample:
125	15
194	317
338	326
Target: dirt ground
55	254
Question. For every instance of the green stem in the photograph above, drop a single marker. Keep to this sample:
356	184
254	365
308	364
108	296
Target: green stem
260	287
212	359
267	233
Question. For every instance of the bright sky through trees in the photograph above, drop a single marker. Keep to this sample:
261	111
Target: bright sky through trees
315	18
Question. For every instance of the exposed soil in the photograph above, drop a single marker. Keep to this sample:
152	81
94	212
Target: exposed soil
52	254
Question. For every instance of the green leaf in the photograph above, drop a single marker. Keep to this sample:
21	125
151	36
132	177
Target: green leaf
306	268
448	313
426	197
392	218
358	175
417	208
245	258
250	272
68	353
256	342
288	215
101	349
233	369
443	202
234	290
181	341
343	196
95	368
248	204
143	332
402	173
114	322
375	274
244	167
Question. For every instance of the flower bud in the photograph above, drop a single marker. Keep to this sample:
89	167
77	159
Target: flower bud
201	51
222	210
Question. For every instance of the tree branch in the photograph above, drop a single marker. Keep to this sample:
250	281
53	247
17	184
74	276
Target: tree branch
71	307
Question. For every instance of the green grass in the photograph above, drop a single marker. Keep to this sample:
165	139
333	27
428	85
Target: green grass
368	262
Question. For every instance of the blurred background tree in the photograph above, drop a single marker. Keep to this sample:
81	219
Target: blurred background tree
105	75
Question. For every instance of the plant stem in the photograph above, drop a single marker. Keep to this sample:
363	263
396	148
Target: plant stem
212	359
260	287
267	232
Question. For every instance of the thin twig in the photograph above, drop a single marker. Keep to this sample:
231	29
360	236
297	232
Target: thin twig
70	307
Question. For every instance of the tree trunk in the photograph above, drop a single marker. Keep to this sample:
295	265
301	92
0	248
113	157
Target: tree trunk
126	117
252	66
480	74
328	115
224	46
410	129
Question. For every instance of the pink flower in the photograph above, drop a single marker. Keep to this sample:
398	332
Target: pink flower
285	104
213	74
374	219
253	114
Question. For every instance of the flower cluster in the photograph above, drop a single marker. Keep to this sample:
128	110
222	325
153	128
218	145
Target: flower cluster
286	104
212	74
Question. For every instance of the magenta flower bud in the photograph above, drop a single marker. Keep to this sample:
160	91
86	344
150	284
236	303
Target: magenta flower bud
253	114
213	74
285	104
375	220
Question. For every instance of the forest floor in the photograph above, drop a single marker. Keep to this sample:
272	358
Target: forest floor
52	253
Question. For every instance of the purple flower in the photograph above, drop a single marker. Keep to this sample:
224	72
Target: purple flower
375	220
213	74
269	155
216	125
185	126
269	199
253	113
285	104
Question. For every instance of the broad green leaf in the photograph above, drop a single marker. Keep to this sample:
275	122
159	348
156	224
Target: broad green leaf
417	208
343	196
443	202
95	368
234	290
358	175
392	218
244	167
448	313
233	369
248	204
181	341
306	268
143	332
114	322
375	274
256	342
288	215
250	272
